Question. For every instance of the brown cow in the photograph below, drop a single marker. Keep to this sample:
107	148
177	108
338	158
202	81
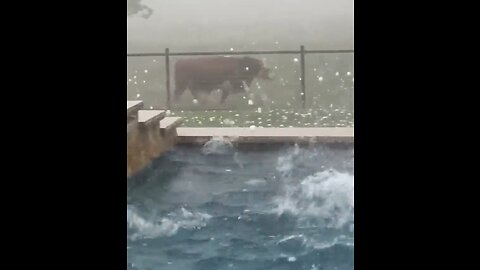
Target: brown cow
204	75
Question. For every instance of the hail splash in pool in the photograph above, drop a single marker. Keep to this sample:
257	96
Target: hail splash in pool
217	207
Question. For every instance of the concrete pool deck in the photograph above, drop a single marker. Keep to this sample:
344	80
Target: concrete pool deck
266	135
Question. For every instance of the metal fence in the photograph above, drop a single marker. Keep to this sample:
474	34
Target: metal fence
302	52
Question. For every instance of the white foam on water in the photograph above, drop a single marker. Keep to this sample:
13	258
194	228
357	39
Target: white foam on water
147	228
342	239
218	145
256	182
292	237
238	160
324	199
285	163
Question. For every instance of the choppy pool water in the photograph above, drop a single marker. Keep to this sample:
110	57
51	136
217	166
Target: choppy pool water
218	207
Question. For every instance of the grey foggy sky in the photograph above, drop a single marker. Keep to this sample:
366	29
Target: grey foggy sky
187	24
136	8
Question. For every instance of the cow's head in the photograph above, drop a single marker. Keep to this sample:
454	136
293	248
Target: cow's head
264	74
254	68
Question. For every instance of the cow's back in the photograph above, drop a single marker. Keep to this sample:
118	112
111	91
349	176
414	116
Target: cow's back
206	69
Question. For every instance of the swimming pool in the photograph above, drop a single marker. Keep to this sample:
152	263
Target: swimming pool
222	207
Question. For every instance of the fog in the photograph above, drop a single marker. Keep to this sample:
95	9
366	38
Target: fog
134	7
186	25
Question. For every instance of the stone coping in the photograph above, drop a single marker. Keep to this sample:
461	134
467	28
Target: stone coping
267	135
150	116
133	106
170	122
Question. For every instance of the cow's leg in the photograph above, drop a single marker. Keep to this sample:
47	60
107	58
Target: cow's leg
225	93
180	88
198	94
248	82
195	93
226	88
203	97
236	87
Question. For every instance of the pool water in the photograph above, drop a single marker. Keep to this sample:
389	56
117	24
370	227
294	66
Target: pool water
218	207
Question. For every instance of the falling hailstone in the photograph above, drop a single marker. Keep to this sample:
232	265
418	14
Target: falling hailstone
250	102
295	60
259	110
252	127
138	95
195	101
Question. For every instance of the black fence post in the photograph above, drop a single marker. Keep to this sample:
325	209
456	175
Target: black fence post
167	70
302	79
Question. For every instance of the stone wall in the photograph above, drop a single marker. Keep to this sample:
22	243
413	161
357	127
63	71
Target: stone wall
149	134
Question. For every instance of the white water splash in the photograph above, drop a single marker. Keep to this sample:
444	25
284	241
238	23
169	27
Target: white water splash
285	163
218	145
256	182
325	199
144	228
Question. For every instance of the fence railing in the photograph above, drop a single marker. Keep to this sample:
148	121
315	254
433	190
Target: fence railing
302	52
